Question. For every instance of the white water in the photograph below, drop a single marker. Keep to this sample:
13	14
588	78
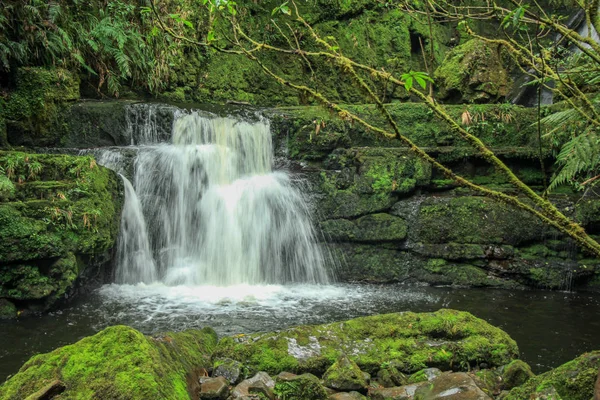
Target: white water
206	209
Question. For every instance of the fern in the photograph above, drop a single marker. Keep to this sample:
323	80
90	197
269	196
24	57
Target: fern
579	157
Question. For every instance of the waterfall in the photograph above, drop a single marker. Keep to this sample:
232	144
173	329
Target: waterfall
207	209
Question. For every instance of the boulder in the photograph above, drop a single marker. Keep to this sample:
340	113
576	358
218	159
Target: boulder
474	72
451	386
214	388
345	375
118	362
412	341
242	390
300	387
574	380
516	374
389	376
406	392
229	369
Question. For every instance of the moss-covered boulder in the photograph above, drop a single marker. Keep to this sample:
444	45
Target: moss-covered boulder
446	338
299	387
61	219
475	71
516	374
119	363
345	375
574	380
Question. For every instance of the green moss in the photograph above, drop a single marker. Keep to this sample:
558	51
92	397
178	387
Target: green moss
475	220
461	340
32	111
302	387
344	374
68	209
516	374
473	72
574	380
370	228
118	363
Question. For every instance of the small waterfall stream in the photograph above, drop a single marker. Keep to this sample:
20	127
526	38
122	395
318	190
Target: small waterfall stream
206	208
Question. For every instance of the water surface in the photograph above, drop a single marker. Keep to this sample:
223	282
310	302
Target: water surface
550	327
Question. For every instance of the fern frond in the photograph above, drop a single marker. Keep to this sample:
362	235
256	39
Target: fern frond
579	156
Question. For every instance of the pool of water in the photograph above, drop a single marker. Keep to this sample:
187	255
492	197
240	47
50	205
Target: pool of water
550	327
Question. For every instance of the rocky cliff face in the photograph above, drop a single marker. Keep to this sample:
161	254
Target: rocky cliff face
391	218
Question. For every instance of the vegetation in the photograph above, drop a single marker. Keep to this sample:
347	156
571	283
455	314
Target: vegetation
118	363
362	75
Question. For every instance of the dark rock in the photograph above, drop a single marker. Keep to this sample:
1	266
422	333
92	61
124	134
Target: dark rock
451	386
228	368
118	363
345	375
214	388
7	309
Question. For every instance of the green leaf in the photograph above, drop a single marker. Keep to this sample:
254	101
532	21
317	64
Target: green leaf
188	24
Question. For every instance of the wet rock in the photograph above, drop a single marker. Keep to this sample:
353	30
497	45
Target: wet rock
300	387
451	386
242	390
406	392
424	375
229	369
347	396
345	375
214	388
516	374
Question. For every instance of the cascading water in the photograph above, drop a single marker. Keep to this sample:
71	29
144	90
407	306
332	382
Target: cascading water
206	209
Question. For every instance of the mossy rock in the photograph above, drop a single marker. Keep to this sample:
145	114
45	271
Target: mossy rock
118	363
370	228
33	111
516	374
66	217
475	71
506	128
299	387
345	375
574	380
445	339
476	220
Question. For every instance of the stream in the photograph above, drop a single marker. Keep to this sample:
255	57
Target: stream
549	327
